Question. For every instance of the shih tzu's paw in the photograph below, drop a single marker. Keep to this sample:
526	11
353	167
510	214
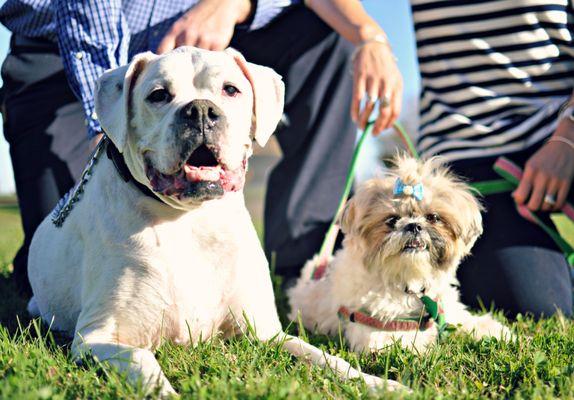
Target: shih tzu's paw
486	325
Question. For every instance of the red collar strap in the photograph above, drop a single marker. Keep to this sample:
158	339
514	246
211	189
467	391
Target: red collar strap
399	324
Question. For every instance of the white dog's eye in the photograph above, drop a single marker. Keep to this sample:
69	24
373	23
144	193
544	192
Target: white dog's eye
392	221
160	95
230	90
433	218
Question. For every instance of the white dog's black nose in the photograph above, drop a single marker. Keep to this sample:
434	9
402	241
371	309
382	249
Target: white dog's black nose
413	227
202	114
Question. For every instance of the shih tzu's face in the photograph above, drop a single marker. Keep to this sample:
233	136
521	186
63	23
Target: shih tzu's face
417	220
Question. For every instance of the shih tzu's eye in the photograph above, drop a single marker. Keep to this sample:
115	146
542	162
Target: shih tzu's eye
392	221
230	90
433	218
160	95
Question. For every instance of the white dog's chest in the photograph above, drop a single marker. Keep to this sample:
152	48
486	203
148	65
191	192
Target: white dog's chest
199	265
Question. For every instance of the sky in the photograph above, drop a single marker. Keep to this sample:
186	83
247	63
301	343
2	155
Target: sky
392	15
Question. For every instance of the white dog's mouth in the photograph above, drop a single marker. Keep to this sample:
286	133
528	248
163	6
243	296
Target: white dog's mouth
202	177
414	244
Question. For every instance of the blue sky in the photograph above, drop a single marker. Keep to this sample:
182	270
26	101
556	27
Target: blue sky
393	15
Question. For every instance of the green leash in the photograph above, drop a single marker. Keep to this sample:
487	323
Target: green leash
435	311
329	242
331	236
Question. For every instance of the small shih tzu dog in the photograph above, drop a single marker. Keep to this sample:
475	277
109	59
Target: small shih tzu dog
395	277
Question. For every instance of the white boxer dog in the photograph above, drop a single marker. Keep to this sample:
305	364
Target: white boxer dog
155	243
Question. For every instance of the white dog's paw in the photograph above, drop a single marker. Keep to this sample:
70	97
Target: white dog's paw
376	383
157	387
166	391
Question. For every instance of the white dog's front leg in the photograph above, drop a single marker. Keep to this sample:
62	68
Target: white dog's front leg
258	308
301	349
140	365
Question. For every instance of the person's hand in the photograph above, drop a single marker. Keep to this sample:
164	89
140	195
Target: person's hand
209	25
95	140
376	76
549	172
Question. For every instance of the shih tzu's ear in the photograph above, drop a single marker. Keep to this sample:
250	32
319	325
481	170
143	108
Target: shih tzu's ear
453	196
466	210
347	217
268	97
472	226
113	98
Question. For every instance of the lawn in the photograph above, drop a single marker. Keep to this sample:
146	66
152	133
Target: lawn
35	363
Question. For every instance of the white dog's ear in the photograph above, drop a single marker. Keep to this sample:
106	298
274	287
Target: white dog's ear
113	98
268	93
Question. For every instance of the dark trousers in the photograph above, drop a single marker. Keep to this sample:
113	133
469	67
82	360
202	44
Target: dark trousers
44	126
318	137
515	265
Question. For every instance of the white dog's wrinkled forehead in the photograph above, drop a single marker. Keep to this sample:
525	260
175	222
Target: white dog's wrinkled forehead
196	71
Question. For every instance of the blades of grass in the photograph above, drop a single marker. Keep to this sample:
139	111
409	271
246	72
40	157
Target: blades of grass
302	331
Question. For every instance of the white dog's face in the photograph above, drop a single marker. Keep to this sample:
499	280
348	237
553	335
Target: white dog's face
408	238
185	121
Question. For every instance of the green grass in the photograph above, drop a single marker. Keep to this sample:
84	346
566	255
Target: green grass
36	364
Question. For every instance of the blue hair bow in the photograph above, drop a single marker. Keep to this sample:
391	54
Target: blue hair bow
415	191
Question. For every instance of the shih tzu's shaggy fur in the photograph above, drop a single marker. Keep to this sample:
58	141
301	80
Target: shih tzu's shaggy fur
405	235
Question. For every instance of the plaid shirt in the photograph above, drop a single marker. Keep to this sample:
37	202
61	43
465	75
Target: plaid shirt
96	35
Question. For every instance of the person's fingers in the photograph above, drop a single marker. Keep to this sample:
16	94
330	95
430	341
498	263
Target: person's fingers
551	191
385	111
372	91
167	43
525	186
203	41
563	189
365	113
397	103
187	38
538	192
358	92
219	42
215	45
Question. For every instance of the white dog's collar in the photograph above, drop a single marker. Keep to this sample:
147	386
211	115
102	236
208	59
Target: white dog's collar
120	164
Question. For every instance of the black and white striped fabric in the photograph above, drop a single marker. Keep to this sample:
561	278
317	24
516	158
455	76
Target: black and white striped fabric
495	73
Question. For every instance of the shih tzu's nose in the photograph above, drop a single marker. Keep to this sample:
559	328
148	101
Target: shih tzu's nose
413	227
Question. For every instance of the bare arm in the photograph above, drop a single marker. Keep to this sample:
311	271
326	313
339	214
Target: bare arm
550	171
347	17
375	73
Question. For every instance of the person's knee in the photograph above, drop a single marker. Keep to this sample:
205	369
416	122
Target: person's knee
518	280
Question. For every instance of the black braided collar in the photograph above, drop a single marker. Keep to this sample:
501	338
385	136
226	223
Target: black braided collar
118	160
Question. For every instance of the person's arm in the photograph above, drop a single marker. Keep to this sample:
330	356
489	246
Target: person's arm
93	36
550	171
375	73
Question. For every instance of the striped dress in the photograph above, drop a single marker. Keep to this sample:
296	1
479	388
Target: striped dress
495	73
